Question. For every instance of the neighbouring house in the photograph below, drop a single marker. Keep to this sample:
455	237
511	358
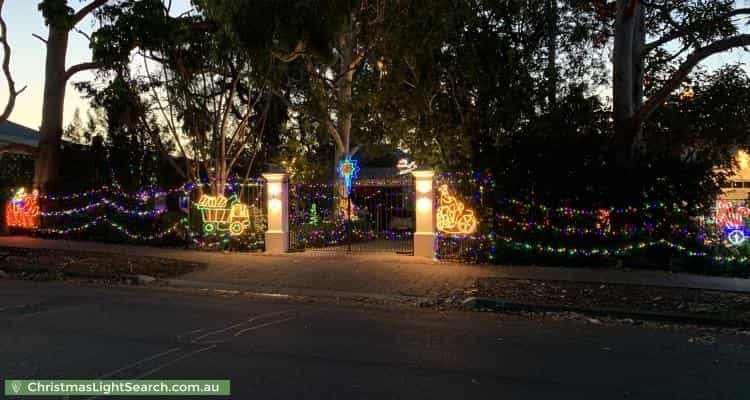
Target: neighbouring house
738	186
18	139
732	215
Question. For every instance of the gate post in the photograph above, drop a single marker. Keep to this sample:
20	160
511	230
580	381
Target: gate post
277	210
424	234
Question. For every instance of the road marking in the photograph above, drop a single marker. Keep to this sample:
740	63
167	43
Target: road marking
176	360
222	330
198	340
264	325
179	335
137	363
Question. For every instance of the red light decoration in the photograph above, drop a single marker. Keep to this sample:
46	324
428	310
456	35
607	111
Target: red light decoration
22	211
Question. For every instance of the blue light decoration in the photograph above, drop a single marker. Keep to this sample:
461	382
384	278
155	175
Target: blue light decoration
737	236
348	171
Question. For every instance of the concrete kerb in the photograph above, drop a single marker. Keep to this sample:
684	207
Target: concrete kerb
294	292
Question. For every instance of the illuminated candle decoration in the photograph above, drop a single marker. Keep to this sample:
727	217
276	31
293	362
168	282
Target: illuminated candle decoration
348	170
221	214
22	211
452	216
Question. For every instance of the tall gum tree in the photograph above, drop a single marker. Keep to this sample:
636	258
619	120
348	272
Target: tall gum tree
12	92
61	20
666	40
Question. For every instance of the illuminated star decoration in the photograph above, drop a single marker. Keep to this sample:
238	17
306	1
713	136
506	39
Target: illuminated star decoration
348	171
452	216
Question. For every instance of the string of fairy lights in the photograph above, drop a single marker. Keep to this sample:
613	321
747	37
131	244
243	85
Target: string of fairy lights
577	223
106	199
490	243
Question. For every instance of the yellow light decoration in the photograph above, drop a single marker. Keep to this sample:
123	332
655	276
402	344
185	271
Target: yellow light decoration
452	216
223	214
743	159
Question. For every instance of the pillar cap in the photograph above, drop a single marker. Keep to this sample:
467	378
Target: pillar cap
423	173
275	176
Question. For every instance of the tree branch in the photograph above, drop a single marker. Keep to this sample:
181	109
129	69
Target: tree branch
684	70
39	37
298	51
79	68
86	10
678	33
12	92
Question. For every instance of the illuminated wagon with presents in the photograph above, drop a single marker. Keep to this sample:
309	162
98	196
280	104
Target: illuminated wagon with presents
221	214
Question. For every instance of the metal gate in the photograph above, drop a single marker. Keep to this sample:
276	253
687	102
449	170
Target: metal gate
378	216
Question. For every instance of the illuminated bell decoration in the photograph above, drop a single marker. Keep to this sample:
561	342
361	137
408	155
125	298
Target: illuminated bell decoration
348	171
452	216
22	211
221	214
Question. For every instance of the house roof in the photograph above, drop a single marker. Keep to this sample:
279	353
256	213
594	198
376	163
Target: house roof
13	133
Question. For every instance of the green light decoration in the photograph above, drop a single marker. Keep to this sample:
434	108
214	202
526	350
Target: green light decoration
223	214
314	218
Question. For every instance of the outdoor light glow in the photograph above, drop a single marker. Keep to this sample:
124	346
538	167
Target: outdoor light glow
274	188
275	204
424	204
743	159
22	211
452	217
424	186
222	214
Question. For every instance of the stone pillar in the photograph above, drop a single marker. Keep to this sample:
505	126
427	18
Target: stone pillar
277	210
424	234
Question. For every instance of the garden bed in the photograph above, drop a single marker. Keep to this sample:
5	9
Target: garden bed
61	264
697	303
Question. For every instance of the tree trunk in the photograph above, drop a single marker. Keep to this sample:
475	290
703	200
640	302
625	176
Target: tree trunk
552	71
46	170
627	82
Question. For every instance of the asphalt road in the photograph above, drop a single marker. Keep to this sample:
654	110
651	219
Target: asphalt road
274	349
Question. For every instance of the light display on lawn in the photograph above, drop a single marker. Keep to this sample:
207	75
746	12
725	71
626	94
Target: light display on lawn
731	217
452	216
348	171
221	214
22	211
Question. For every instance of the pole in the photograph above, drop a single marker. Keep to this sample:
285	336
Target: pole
349	220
